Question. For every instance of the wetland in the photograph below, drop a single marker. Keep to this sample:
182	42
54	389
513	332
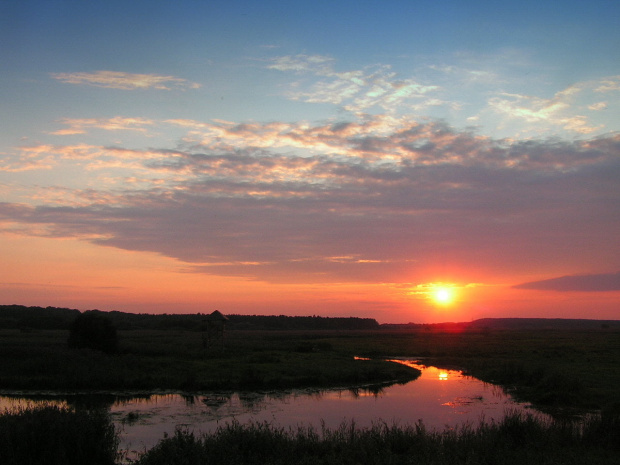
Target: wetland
570	374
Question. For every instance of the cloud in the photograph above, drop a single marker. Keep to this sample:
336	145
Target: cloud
555	110
125	81
381	198
118	123
315	64
357	90
598	106
570	109
459	92
29	159
609	84
580	283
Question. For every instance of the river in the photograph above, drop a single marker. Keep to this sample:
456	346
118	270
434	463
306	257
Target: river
440	398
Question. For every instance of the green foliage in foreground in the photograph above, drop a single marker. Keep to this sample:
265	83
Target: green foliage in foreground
57	436
515	440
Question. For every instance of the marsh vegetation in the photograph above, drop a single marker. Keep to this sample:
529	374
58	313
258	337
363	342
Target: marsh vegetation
565	372
60	436
54	435
517	439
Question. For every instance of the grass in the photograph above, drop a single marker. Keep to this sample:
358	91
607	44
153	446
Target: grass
516	439
554	369
175	360
53	435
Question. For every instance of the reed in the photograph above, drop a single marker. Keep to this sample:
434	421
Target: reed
517	439
53	435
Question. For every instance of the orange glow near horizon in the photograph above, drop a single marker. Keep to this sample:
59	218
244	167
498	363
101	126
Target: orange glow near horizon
77	274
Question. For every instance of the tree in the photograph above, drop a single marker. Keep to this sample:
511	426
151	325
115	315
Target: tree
93	330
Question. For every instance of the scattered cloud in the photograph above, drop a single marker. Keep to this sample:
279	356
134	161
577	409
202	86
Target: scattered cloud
28	159
315	64
358	90
118	123
378	89
569	109
126	81
579	283
553	110
609	84
375	199
598	106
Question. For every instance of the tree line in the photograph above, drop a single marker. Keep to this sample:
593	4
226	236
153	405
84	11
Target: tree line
28	318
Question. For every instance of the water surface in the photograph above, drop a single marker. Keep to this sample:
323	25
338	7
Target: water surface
440	398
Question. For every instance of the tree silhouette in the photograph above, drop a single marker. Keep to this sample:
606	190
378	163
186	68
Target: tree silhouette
93	330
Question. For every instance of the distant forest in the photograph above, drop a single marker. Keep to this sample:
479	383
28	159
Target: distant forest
28	318
22	317
496	324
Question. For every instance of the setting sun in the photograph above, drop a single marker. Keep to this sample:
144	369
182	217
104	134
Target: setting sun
443	295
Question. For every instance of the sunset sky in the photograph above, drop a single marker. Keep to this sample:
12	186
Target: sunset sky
408	161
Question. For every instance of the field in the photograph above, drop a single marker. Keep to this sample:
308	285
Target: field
562	371
569	368
175	360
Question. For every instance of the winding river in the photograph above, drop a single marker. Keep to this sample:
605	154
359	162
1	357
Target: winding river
440	398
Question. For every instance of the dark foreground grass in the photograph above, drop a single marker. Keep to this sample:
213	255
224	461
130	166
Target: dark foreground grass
57	436
517	439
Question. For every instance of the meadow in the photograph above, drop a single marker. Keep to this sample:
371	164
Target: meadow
565	372
552	368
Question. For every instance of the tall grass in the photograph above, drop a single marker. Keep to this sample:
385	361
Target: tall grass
52	435
517	439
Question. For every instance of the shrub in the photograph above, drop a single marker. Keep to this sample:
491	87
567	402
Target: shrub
93	330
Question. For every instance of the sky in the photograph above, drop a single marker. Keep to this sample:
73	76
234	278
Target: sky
407	161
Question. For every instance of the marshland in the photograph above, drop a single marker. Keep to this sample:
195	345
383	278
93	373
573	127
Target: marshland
569	372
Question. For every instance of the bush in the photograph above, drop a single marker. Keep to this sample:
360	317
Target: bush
53	435
93	330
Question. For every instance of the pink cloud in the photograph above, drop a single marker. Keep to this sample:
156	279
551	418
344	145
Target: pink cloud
125	81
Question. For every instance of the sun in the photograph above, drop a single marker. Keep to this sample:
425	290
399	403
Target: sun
443	295
440	294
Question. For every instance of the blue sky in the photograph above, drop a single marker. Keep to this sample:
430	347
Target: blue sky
375	149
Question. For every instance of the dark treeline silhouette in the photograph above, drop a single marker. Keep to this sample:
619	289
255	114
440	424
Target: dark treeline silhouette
22	317
522	324
283	322
19	316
